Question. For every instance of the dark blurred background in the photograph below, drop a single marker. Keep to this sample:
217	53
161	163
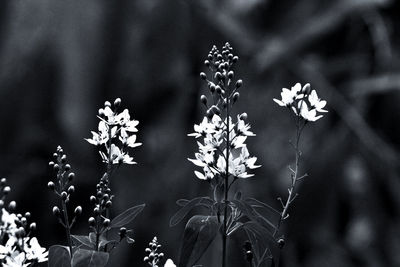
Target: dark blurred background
60	60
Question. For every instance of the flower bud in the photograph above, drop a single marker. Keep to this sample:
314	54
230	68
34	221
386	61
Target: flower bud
122	232
96	211
218	89
92	199
51	185
306	89
203	76
1	203
51	163
106	222
56	211
209	114
235	59
203	100
207	63
71	189
107	104
235	97
230	74
71	176
63	158
243	116
12	205
239	83
78	211
146	259
281	242
64	195
56	167
108	204
23	220
55	155
100	112
117	102
67	167
92	221
212	87
6	190
216	110
3	181
27	215
218	76
32	226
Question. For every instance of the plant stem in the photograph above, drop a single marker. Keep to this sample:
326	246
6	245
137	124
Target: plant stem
224	237
67	226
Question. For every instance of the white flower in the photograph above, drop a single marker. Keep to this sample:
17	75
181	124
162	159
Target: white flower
247	160
169	263
308	114
128	140
34	251
316	102
243	128
101	137
116	156
289	96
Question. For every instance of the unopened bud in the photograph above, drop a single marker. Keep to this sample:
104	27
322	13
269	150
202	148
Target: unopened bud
281	242
56	167
51	185
122	232
51	163
239	83
117	102
63	158
92	221
218	76
108	204
306	89
243	116
106	222
230	74
78	211
6	190
27	215
218	89
212	88
32	226
107	104
56	211
203	100
235	97
12	205
96	211
207	63
92	199
71	189
67	167
3	181
215	110
209	114
64	195
71	176
203	76
235	59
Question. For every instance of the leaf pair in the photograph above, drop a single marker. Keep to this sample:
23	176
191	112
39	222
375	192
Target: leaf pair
187	206
60	256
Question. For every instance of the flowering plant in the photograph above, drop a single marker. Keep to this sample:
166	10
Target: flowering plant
18	246
116	133
223	158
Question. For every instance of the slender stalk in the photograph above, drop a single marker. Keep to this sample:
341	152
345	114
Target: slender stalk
224	237
67	225
294	176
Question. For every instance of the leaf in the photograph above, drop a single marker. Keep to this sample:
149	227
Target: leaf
258	204
59	256
199	233
253	215
264	246
127	216
234	228
182	212
83	240
182	202
89	258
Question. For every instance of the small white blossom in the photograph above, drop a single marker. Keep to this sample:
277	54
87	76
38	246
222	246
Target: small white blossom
308	114
34	251
316	102
289	96
169	263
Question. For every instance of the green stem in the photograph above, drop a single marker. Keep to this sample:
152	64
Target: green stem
224	237
67	226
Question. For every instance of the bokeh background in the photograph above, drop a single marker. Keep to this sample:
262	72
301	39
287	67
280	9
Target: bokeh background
60	60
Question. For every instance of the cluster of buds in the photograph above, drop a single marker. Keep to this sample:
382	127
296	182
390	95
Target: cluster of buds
153	257
17	246
102	202
223	148
303	101
116	133
63	188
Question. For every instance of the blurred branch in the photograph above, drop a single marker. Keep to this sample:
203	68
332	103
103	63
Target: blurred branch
377	84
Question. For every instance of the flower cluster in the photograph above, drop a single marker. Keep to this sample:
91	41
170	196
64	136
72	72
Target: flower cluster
302	101
212	151
223	138
116	132
17	247
153	258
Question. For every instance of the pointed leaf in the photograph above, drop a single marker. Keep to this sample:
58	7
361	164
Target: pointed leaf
59	256
182	212
199	233
89	258
258	204
126	217
82	240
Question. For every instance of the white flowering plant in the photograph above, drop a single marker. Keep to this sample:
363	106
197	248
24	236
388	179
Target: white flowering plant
116	134
18	246
223	159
